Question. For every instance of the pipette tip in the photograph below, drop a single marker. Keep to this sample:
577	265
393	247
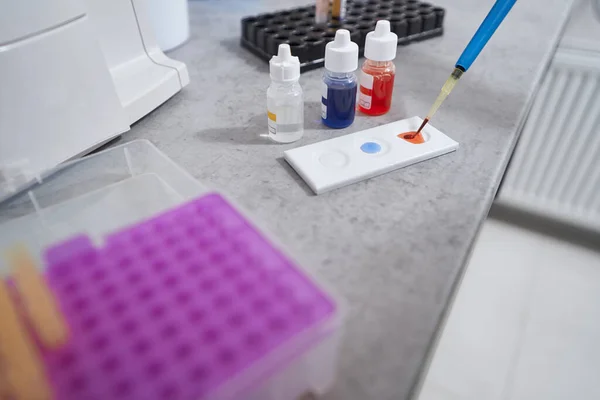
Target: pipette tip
412	135
425	121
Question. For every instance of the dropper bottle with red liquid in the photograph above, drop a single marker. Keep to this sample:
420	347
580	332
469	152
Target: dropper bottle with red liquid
378	71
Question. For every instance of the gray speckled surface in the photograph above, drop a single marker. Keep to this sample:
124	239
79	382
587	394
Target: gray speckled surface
394	246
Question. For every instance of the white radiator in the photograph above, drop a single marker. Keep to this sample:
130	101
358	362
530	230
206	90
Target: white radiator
555	170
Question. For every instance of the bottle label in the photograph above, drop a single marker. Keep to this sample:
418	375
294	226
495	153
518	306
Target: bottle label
366	90
272	119
323	100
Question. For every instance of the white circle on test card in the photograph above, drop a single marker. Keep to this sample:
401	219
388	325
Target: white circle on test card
334	159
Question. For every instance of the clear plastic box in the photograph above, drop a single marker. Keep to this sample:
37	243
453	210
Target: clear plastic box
97	195
101	193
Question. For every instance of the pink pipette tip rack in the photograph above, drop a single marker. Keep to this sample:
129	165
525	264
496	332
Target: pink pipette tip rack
192	304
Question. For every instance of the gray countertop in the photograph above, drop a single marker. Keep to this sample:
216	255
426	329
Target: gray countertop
395	246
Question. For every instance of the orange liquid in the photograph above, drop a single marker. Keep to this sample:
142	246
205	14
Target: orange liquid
413	137
381	95
378	99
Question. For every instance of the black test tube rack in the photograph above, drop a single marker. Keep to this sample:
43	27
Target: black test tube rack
411	20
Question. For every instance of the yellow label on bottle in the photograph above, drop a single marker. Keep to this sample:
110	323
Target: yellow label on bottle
272	120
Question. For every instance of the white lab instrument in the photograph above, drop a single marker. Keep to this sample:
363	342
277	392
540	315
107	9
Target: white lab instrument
170	21
74	75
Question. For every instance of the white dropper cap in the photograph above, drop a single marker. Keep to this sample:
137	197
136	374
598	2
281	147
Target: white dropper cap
283	67
381	44
341	55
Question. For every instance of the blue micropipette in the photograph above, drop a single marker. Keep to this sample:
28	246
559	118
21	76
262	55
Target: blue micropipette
470	53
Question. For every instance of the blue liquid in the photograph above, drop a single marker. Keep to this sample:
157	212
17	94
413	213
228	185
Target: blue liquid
341	99
371	147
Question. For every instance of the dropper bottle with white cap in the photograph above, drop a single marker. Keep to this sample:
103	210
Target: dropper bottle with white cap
338	98
378	71
285	100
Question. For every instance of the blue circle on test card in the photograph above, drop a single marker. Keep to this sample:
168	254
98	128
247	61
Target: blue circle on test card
371	147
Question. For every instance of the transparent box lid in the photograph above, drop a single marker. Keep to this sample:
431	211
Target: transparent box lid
104	192
96	195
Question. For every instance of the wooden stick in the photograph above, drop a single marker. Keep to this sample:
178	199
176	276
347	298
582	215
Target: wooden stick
24	372
39	302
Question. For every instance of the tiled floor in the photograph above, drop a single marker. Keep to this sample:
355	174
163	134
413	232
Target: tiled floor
525	324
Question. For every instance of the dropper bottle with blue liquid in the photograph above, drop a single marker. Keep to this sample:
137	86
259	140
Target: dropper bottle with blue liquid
338	98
